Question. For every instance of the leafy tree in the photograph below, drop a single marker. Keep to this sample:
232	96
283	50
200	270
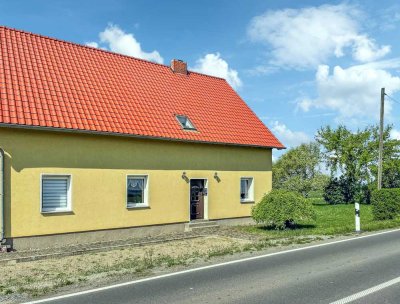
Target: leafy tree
319	182
354	156
390	159
299	170
346	152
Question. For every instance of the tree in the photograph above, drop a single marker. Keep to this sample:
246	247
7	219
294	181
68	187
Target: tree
346	152
299	170
390	159
354	155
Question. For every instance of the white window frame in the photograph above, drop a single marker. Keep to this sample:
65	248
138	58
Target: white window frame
250	198
190	127
69	192
145	203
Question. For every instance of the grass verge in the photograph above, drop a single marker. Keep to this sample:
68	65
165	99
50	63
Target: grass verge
331	220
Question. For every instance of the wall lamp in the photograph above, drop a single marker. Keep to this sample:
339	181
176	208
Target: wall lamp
184	177
217	177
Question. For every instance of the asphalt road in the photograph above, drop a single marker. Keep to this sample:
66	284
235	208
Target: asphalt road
316	275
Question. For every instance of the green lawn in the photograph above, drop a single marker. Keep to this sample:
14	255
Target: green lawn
331	220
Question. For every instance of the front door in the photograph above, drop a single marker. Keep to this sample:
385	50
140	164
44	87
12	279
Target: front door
197	199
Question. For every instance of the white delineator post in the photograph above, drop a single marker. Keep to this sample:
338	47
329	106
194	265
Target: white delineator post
358	224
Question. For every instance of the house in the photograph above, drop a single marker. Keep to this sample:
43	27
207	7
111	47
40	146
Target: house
97	145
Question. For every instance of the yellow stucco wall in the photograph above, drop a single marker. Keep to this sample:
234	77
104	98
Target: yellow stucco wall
99	166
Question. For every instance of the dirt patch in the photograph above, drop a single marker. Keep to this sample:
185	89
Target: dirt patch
36	278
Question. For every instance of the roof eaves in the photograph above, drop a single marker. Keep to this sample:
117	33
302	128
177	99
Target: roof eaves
79	131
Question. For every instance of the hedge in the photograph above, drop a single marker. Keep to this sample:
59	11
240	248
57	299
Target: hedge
386	203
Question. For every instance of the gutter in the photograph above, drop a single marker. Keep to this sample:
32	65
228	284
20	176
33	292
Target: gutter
2	217
80	131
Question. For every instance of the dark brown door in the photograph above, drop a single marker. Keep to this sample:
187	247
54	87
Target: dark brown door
196	199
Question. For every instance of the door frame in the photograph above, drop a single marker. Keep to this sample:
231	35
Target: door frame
205	198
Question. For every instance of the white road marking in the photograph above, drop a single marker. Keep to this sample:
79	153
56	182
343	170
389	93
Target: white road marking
205	267
368	291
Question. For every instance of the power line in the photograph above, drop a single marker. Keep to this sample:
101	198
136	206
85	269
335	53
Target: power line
392	99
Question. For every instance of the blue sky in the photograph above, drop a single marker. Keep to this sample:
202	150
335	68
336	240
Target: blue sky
298	64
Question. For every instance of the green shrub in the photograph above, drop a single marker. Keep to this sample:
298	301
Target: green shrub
282	209
385	203
366	194
333	192
349	189
345	190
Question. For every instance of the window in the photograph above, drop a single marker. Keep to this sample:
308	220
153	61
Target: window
246	189
56	193
136	191
185	122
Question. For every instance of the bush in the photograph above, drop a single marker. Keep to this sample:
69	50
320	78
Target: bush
333	192
366	194
385	203
343	190
349	190
282	209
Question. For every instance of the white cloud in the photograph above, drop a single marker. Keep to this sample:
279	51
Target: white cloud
305	104
387	64
352	92
288	137
213	64
365	50
395	134
307	37
116	40
96	45
92	44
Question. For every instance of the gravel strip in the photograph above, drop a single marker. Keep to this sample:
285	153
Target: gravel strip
52	252
38	254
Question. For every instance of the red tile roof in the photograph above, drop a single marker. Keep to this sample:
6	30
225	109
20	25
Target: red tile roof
45	82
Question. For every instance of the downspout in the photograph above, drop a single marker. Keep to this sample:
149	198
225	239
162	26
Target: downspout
2	217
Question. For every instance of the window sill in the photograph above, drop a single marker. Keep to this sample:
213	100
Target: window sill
69	211
138	207
248	201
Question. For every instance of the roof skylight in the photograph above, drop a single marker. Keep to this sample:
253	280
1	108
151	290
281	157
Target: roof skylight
185	122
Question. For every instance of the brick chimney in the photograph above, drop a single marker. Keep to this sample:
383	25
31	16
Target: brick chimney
179	66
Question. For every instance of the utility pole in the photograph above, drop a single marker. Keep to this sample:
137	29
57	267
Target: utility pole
381	139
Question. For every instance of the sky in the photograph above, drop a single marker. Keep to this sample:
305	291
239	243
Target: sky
300	65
